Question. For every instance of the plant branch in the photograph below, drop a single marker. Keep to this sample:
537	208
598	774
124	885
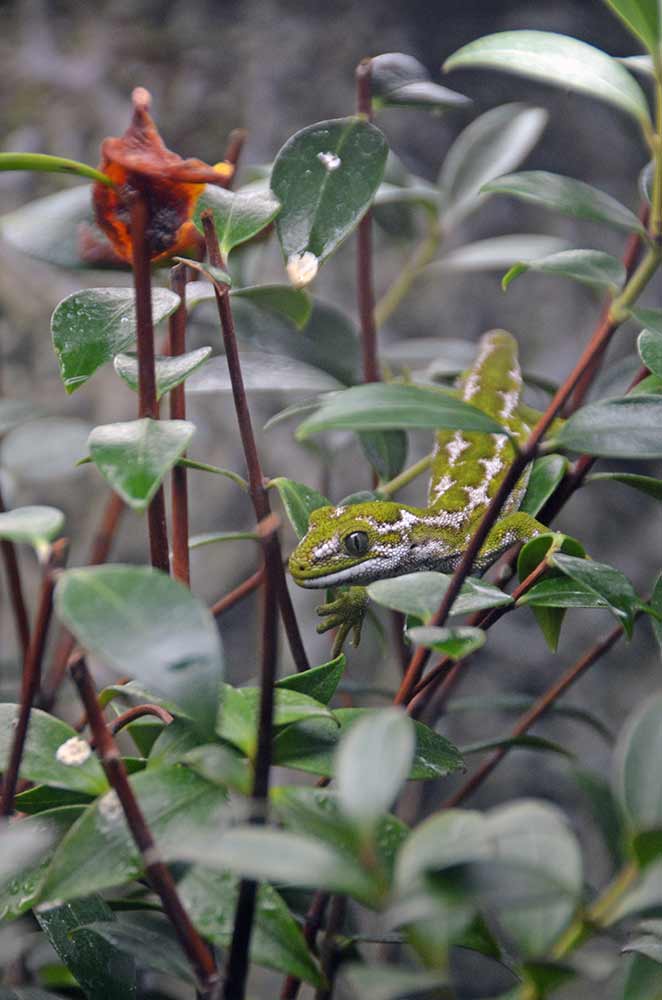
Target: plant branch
312	923
364	265
233	151
198	953
138	712
257	489
424	253
15	585
399	482
147	402
245	588
32	673
537	710
179	486
235	982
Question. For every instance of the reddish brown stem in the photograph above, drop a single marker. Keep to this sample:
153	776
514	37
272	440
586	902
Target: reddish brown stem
597	342
32	674
147	402
243	590
235	982
536	711
233	151
198	953
15	585
137	712
179	487
364	268
99	552
311	926
258	492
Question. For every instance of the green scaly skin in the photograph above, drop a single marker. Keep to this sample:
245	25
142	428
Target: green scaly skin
364	542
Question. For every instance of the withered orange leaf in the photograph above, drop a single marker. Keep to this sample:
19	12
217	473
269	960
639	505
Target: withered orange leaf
139	163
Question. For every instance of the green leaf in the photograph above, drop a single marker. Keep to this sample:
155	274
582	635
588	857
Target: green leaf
496	253
149	947
145	624
642	17
27	848
299	502
656	604
372	763
559	60
262	372
627	427
420	594
266	854
561	593
644	484
392	406
38	526
386	451
568	197
328	341
54	753
293	304
238	722
549	620
319	683
43	163
400	81
644	897
589	267
635	780
213	537
387	982
494	143
237	216
609	584
454	642
210	898
526	742
649	345
98	852
170	371
606	814
134	457
40	798
649	318
310	746
102	971
91	326
218	764
546	474
642	980
325	177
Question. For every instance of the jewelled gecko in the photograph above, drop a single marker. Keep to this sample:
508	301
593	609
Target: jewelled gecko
360	543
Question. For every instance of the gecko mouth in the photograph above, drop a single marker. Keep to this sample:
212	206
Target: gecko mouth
359	573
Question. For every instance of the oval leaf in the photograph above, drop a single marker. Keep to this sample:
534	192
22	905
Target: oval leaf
649	345
496	253
147	625
91	326
299	502
400	81
135	456
627	427
644	484
420	594
325	177
319	683
568	197
170	371
589	267
496	142
392	406
261	372
373	762
454	642
639	746
237	216
37	526
546	474
557	59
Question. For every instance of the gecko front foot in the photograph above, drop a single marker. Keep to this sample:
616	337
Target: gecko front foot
346	613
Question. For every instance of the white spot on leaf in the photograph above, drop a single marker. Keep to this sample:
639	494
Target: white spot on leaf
73	752
329	161
302	268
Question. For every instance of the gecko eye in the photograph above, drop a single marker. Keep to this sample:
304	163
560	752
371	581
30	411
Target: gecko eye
357	543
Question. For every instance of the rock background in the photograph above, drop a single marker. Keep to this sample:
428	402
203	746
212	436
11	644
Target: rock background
274	67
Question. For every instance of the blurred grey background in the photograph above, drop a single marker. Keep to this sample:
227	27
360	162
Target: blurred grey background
273	67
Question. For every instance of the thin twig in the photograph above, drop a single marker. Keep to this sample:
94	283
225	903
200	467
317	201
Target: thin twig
99	552
32	673
148	405
329	951
312	923
242	590
235	982
198	953
179	487
257	490
137	712
15	585
233	151
537	710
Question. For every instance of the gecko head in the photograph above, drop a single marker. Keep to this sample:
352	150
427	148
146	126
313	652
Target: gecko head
356	544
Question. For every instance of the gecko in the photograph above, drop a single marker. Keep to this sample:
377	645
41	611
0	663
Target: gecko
359	543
